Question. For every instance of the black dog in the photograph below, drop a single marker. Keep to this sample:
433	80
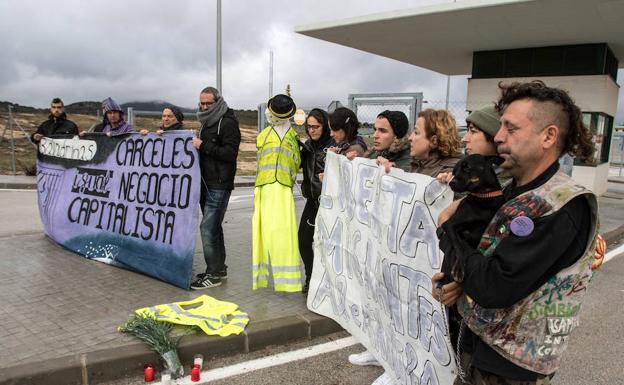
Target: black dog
476	175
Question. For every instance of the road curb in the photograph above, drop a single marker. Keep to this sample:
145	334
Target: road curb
17	186
107	365
613	236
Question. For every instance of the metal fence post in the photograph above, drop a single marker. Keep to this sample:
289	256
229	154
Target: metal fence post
12	140
130	116
621	154
261	117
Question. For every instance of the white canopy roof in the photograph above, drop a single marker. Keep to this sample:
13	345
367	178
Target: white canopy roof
443	37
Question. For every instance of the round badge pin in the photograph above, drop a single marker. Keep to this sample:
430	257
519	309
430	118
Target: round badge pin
522	226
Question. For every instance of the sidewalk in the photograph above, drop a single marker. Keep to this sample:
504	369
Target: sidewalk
59	312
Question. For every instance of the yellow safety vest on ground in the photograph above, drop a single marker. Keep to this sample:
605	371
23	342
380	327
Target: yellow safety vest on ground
214	317
278	159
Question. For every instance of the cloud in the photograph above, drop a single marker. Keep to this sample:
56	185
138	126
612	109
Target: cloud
165	50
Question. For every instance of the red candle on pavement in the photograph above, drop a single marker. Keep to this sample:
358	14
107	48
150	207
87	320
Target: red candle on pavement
195	373
148	374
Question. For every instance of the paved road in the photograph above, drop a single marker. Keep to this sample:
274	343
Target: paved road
65	281
594	355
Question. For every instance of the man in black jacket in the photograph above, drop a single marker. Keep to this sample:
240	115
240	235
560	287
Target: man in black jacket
217	143
540	240
57	123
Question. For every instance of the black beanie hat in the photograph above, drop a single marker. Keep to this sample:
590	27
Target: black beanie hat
398	121
282	106
176	112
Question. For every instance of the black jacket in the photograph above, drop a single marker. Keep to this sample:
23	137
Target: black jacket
218	152
313	157
56	126
173	127
313	154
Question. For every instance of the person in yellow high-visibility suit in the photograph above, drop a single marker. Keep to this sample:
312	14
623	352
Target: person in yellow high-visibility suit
274	223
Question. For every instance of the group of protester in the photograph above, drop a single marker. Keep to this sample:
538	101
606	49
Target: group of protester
217	142
530	127
545	233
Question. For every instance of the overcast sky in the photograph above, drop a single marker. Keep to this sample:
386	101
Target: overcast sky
165	50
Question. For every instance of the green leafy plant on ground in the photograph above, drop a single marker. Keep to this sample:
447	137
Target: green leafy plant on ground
156	335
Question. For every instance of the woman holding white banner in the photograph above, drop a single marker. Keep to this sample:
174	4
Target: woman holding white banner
313	156
344	124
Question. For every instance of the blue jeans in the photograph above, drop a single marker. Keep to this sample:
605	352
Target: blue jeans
211	230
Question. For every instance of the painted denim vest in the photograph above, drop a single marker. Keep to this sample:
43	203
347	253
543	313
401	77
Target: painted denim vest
533	333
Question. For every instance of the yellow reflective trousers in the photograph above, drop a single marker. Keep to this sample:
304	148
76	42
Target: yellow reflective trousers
275	239
214	317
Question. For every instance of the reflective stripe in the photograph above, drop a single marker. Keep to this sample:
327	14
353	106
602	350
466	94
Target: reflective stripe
274	166
260	265
278	159
281	150
176	308
287	281
225	319
286	269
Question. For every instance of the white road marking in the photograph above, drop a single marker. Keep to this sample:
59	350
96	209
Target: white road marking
613	253
267	362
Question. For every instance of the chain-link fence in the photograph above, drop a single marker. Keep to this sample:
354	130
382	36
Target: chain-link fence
368	106
457	108
617	154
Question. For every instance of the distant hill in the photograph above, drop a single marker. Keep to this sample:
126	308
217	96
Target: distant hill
17	108
86	108
246	117
153	105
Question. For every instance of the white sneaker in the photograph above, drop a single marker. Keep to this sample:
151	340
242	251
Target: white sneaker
364	358
384	379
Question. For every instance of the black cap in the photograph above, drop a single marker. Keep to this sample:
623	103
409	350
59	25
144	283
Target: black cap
398	121
282	106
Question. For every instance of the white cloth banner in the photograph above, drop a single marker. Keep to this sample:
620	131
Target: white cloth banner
375	250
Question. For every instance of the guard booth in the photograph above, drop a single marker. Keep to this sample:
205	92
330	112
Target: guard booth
587	71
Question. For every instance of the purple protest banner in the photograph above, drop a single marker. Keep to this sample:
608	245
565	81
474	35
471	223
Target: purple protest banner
129	200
